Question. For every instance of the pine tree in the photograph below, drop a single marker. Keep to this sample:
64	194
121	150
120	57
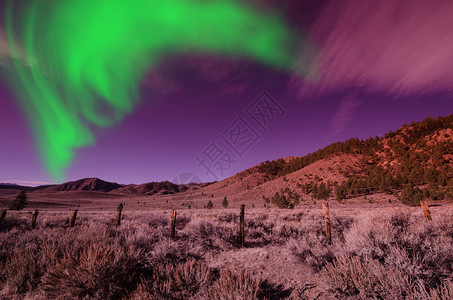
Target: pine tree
20	202
280	200
225	202
443	177
210	205
340	192
411	195
314	191
323	191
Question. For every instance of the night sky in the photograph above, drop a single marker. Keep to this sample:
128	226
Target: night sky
377	65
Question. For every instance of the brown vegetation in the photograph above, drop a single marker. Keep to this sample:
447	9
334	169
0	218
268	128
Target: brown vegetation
386	254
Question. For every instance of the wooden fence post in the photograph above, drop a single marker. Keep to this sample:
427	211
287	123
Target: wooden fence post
2	216
73	219
241	226
425	209
173	225
119	211
325	210
33	219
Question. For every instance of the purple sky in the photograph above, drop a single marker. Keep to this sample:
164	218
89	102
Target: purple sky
380	65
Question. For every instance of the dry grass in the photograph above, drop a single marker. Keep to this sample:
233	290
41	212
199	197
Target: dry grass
232	286
377	254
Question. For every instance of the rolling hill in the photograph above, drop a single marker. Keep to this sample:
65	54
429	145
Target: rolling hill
87	184
413	163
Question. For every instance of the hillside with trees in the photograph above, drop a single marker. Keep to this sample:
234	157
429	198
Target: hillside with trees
412	163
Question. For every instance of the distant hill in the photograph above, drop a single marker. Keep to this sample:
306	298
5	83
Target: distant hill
98	185
87	184
12	186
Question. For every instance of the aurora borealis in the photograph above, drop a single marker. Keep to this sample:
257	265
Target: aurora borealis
84	59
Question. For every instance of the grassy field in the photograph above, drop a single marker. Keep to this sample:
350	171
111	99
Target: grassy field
380	252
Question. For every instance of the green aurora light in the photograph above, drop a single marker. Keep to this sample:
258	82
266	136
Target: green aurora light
78	63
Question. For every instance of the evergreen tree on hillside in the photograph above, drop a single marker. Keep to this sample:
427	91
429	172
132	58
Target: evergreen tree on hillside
225	202
315	190
340	192
210	205
411	195
281	200
443	177
20	202
323	191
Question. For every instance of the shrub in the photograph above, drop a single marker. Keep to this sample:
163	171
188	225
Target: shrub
234	286
313	250
366	278
100	272
228	217
399	245
11	222
23	272
20	202
441	293
210	235
180	281
169	251
412	196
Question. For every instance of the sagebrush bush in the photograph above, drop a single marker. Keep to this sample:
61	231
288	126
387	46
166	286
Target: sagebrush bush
22	272
228	217
170	251
366	278
179	281
157	220
444	292
393	257
312	249
100	271
211	235
234	286
12	222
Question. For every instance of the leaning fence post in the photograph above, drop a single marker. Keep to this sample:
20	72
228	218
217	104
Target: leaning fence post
241	226
173	225
73	219
325	210
2	216
118	214
425	208
33	219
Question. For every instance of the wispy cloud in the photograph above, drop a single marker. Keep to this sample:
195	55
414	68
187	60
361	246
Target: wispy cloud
346	109
400	47
15	143
25	182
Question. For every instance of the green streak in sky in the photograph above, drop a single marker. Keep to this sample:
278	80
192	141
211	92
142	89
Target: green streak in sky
80	62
